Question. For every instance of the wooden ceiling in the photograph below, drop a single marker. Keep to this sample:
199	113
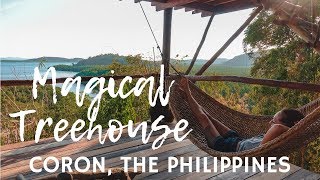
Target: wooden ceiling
205	7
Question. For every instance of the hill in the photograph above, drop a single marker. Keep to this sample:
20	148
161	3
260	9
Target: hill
200	61
54	59
242	60
103	59
93	64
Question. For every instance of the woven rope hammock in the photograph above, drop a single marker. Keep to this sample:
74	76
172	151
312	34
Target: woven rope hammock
246	125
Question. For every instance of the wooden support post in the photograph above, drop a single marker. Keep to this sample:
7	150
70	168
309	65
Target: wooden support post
234	36
166	46
200	45
158	109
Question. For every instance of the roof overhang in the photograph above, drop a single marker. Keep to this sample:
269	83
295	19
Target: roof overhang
205	7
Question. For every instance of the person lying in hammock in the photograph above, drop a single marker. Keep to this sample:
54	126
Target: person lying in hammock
222	138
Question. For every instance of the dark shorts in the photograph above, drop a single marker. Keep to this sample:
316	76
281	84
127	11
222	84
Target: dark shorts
228	143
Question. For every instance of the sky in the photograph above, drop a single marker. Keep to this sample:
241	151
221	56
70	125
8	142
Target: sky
84	28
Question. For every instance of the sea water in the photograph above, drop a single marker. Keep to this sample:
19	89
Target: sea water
24	70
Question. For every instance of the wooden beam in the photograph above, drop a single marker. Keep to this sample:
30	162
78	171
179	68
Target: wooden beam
188	9
206	14
178	7
218	2
166	47
200	6
172	3
196	11
247	80
195	56
158	109
159	1
205	7
290	14
233	6
229	41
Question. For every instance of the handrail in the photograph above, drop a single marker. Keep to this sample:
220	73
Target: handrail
248	80
61	80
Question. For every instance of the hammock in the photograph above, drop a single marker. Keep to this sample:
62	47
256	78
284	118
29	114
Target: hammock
246	125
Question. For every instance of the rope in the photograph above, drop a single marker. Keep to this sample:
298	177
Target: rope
179	74
154	37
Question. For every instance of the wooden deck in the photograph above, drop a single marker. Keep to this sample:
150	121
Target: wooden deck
15	158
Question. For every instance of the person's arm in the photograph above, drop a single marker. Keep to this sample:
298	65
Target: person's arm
273	132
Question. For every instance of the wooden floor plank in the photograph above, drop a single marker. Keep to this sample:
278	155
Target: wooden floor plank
239	174
30	144
275	176
23	166
176	172
303	174
163	159
163	165
114	162
50	142
74	148
195	175
214	174
15	158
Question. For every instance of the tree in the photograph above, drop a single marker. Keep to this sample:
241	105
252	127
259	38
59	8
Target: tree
282	55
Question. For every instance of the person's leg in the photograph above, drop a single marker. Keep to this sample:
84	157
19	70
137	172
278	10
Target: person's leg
198	110
222	129
213	136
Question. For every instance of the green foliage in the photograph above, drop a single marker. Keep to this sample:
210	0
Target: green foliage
102	59
72	68
132	108
233	95
282	56
15	99
93	66
289	59
94	71
116	108
134	65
